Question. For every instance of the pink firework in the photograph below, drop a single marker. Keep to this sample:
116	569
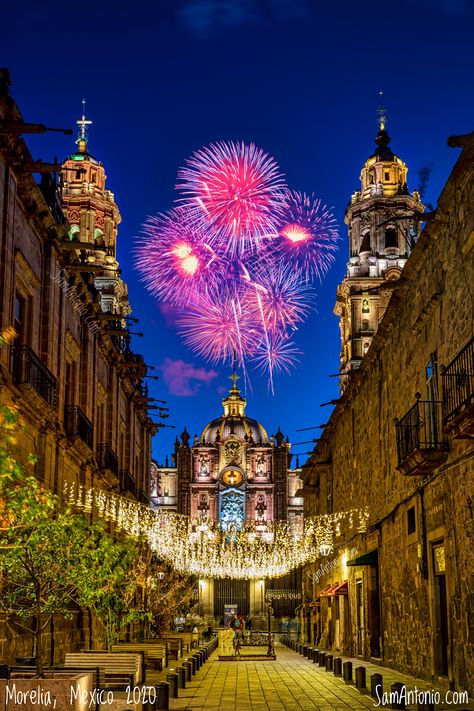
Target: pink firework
217	328
308	235
276	354
279	297
238	190
177	262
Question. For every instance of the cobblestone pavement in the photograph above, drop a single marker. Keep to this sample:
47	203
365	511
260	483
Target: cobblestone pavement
290	682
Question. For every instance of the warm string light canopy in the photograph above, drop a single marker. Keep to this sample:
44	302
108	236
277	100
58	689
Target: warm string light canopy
236	259
201	548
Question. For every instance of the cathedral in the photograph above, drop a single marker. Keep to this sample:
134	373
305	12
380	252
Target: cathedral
237	475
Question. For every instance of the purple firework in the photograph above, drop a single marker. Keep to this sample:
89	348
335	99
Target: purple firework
279	296
177	262
275	354
308	235
238	190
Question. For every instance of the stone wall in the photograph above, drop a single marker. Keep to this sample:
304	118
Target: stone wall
429	317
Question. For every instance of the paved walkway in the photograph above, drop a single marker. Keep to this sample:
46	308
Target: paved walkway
291	682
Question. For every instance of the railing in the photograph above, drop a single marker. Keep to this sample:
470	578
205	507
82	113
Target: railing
27	368
419	429
458	383
77	424
127	482
107	458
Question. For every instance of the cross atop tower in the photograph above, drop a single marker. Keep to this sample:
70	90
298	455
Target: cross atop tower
382	112
83	123
234	377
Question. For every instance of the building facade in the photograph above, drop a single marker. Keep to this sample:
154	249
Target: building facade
68	367
235	474
399	442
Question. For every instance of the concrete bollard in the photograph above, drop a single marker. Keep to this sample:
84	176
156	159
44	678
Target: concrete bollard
360	678
172	680
337	666
305	650
315	655
162	696
189	670
347	671
329	661
376	686
399	689
322	659
181	672
197	657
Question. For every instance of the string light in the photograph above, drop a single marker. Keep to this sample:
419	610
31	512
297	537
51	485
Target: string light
201	548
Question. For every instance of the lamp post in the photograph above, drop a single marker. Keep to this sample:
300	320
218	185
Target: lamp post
271	649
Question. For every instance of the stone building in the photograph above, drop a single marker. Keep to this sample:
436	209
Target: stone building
69	369
399	442
235	474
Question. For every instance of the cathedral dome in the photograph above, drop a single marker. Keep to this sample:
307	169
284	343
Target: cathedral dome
241	426
234	421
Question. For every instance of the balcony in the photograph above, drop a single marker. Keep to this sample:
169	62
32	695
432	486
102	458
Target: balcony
458	394
127	483
420	444
28	369
78	425
107	458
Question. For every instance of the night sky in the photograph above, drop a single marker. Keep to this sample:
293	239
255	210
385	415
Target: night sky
300	78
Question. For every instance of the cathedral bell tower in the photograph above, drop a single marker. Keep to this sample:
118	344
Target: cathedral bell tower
382	219
93	216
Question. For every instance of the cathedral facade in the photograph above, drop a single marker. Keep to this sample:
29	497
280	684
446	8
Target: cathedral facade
236	474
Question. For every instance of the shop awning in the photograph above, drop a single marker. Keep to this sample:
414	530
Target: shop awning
370	558
337	589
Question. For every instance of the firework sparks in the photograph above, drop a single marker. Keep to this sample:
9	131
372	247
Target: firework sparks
238	189
308	235
237	258
177	262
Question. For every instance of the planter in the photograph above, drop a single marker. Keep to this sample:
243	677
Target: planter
61	691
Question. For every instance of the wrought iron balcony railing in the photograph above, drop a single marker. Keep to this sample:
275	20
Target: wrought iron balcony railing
77	424
107	458
420	443
27	368
127	482
458	391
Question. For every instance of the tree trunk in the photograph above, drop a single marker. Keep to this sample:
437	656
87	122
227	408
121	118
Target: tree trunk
39	637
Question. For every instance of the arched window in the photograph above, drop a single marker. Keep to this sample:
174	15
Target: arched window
365	244
99	238
391	237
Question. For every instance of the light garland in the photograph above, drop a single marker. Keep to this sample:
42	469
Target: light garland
201	548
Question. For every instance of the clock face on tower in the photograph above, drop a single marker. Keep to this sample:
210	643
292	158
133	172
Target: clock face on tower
232	477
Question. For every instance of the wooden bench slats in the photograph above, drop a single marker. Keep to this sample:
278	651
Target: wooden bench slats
126	666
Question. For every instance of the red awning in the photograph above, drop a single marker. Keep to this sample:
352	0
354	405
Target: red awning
337	589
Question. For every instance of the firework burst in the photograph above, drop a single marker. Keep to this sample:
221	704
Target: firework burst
308	235
219	328
237	258
236	188
279	296
177	262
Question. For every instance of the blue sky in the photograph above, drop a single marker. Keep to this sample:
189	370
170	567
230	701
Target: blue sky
300	78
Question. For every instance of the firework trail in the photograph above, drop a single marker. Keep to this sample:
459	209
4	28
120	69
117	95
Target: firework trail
237	258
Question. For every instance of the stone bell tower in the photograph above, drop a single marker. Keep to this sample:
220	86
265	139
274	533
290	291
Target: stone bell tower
382	219
93	216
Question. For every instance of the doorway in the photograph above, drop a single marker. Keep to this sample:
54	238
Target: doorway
360	617
440	610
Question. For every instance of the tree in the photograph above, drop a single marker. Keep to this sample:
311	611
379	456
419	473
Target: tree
39	545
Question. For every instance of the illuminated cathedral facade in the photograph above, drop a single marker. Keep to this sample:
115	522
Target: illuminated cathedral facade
237	475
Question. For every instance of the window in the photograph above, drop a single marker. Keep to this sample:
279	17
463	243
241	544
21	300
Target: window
20	320
411	520
391	238
365	306
387	175
365	244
